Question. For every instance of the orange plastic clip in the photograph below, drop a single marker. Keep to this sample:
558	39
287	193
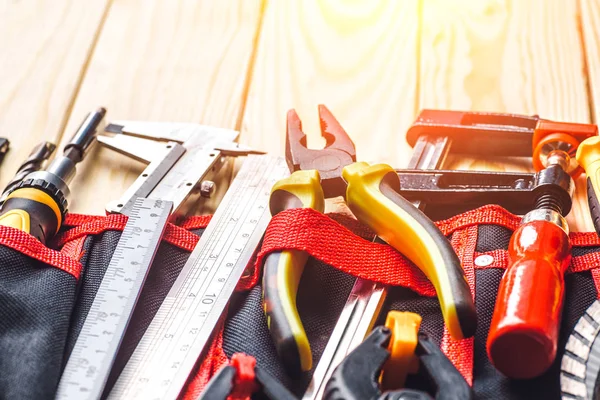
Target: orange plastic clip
402	361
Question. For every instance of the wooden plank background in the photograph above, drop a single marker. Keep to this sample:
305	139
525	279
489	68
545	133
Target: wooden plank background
242	64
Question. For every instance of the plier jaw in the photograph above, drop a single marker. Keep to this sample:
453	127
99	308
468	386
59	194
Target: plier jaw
339	151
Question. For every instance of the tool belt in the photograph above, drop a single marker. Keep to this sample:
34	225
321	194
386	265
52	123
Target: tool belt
342	249
46	292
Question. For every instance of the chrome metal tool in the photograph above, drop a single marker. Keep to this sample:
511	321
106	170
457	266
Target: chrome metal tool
179	158
182	328
34	162
96	348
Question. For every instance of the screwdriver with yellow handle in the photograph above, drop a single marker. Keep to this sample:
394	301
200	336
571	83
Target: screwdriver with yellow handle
588	157
372	194
38	204
282	271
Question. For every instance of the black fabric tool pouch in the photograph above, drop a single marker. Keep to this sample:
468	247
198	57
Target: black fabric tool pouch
91	240
37	293
342	249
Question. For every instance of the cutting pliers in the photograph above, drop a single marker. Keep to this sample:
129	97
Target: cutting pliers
372	193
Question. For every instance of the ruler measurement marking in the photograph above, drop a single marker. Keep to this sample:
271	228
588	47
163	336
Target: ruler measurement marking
200	276
207	285
88	374
192	279
226	216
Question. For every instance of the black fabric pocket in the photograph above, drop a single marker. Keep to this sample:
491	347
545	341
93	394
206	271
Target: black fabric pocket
323	292
36	301
97	252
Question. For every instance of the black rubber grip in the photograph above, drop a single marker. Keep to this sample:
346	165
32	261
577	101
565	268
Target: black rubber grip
279	326
43	222
594	205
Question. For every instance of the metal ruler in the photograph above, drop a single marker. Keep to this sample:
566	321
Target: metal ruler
182	328
94	353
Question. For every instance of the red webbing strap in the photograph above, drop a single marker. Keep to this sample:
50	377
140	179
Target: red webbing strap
460	352
74	248
215	360
596	277
175	235
245	379
195	222
30	246
80	219
584	262
325	239
329	241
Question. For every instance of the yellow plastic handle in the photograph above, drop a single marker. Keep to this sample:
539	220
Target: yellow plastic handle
33	211
373	196
282	271
588	157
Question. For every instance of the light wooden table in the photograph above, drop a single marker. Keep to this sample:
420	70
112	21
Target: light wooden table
243	63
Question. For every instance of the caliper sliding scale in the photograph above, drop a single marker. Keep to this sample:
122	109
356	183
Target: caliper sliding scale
179	157
180	332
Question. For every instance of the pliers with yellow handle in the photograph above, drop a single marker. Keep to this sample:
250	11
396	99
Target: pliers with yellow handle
372	193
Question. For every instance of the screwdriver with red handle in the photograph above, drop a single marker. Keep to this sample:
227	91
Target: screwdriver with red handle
523	336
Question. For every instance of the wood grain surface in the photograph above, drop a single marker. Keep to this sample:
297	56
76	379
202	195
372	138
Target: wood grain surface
44	48
184	61
590	29
373	63
505	56
358	58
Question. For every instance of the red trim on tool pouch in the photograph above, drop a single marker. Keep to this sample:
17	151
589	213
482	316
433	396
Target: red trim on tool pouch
324	238
460	352
585	262
30	246
195	222
215	360
175	235
74	248
80	219
245	379
596	277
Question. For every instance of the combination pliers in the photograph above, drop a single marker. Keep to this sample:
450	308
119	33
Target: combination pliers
372	194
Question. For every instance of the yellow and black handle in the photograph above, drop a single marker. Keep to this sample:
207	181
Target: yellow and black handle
33	210
588	157
282	272
373	196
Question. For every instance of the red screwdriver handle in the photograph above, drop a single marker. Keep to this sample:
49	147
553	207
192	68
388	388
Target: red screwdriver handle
523	334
